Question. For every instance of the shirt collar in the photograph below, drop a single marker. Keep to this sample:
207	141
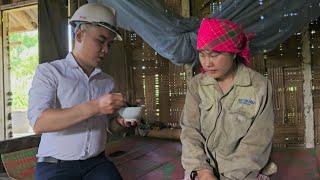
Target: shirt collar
72	62
242	77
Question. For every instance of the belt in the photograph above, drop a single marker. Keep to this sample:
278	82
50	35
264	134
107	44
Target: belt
50	159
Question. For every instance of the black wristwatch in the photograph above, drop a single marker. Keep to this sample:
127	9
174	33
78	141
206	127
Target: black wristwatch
193	175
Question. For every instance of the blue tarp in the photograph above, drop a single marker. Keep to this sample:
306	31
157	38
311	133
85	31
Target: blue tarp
174	37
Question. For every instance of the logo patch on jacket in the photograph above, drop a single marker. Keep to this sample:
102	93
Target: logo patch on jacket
246	101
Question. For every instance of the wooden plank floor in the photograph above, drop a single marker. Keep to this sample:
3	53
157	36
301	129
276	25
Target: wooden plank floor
147	158
157	159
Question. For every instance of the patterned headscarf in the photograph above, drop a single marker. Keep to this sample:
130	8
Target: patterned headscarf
222	35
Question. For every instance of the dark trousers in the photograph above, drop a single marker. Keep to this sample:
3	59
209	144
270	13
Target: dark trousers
96	168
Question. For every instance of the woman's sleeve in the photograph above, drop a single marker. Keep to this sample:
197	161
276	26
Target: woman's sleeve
193	142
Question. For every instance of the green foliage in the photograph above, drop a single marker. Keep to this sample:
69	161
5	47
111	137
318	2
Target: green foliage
23	61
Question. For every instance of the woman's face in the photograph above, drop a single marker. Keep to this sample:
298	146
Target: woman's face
218	65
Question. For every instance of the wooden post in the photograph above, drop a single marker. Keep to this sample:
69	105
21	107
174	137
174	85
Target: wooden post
2	116
6	78
185	4
72	7
307	89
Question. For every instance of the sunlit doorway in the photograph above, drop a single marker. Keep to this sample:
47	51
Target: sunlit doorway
20	58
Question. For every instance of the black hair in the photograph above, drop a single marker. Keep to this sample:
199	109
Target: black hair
239	59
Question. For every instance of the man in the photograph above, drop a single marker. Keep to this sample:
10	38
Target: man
71	103
227	121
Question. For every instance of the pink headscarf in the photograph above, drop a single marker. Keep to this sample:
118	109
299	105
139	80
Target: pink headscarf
223	36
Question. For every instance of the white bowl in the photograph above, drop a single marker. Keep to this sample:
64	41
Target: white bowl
131	113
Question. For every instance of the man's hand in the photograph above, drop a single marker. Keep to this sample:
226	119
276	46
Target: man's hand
110	103
206	174
263	177
124	123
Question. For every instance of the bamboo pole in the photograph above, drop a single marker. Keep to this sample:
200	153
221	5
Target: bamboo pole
307	89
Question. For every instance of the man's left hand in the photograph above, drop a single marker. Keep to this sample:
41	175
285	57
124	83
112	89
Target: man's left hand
263	177
125	123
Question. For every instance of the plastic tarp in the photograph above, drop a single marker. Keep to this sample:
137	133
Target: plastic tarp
272	21
174	37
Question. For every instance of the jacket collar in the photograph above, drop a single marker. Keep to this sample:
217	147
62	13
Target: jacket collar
242	77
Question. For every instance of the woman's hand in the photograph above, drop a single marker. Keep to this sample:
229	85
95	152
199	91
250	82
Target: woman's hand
206	174
125	123
263	177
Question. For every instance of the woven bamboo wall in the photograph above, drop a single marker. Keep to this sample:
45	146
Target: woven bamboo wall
202	8
316	102
288	105
160	83
315	55
285	72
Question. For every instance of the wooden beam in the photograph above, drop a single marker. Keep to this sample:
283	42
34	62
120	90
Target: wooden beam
72	7
17	29
12	21
19	5
185	4
307	89
7	94
33	13
82	2
2	116
18	144
24	19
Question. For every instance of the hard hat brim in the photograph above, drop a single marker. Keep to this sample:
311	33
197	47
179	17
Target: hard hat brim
117	37
107	26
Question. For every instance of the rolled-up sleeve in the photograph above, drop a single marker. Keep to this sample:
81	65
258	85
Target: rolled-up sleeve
254	149
193	142
42	94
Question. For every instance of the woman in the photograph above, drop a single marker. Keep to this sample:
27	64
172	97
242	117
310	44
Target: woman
227	121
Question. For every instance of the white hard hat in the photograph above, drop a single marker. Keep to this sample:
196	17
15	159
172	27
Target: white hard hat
97	14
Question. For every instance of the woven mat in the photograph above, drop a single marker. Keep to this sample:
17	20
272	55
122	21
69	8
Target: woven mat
20	164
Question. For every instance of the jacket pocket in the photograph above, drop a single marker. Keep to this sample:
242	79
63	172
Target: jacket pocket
238	124
207	117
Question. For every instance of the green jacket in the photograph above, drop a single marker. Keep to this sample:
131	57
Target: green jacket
231	133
